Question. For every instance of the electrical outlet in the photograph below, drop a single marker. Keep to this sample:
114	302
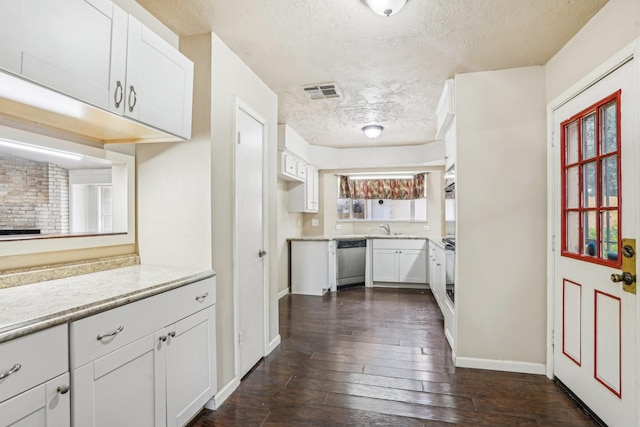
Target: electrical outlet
338	226
426	228
315	222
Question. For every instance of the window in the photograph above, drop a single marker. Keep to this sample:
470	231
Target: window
590	162
382	197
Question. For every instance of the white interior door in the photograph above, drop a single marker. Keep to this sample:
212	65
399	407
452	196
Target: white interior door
595	206
250	261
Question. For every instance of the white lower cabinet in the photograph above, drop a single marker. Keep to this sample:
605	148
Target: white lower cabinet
33	393
313	267
43	406
437	278
400	261
188	365
149	363
119	389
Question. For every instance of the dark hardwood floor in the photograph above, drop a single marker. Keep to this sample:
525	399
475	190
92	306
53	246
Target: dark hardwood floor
378	357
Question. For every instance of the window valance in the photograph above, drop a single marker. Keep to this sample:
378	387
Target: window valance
384	188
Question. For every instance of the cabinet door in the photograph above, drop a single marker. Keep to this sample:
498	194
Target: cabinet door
159	84
11	35
301	170
190	366
385	268
120	389
289	163
412	266
67	45
311	190
47	405
450	147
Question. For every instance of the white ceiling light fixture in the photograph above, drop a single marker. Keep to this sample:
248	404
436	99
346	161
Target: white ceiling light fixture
372	131
386	7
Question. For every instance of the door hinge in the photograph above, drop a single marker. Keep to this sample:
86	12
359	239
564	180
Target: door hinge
239	137
553	338
553	243
240	338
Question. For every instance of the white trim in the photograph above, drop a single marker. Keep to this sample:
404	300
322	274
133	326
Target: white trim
273	344
283	293
400	285
223	394
449	337
241	105
501	365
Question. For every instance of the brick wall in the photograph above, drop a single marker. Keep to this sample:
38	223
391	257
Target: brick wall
33	195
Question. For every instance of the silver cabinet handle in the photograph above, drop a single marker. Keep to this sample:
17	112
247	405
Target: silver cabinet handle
119	90
172	334
63	389
262	253
163	338
132	91
13	370
202	297
111	334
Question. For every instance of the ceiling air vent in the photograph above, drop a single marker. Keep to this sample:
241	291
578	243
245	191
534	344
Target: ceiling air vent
323	91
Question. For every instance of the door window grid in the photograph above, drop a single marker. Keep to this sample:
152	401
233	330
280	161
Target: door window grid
590	166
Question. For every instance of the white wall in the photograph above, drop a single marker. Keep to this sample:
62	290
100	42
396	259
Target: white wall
289	225
616	25
174	183
501	207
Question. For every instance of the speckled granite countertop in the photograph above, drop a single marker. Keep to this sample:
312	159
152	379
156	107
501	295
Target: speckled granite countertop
365	236
30	308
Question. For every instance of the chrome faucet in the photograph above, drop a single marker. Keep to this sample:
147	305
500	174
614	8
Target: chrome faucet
387	228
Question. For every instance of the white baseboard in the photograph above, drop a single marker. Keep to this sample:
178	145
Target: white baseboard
273	344
501	365
283	292
223	394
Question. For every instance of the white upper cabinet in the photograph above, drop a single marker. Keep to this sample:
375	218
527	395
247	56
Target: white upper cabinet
445	110
159	83
67	46
95	52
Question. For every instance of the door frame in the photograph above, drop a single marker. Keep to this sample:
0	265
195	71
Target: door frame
631	53
240	105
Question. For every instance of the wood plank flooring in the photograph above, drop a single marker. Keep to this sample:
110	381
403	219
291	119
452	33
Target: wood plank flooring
378	357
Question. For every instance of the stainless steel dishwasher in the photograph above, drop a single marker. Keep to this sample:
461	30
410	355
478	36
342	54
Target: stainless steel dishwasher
351	264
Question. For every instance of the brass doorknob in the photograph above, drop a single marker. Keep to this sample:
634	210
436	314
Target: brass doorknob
625	277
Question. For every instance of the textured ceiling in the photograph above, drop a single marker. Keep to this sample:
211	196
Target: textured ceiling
391	70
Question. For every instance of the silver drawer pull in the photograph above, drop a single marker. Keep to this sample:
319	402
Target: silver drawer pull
111	334
172	334
202	297
13	370
63	389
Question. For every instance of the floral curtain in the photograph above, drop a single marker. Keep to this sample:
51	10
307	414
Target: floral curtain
388	188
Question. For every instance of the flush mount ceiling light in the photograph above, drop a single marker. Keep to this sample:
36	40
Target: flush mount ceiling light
372	131
386	7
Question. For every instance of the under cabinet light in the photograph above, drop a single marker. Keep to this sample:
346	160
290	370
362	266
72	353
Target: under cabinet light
37	149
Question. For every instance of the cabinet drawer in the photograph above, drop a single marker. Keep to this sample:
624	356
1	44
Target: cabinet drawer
185	301
24	358
103	333
417	244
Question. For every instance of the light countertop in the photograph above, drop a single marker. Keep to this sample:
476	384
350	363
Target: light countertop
367	236
37	306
